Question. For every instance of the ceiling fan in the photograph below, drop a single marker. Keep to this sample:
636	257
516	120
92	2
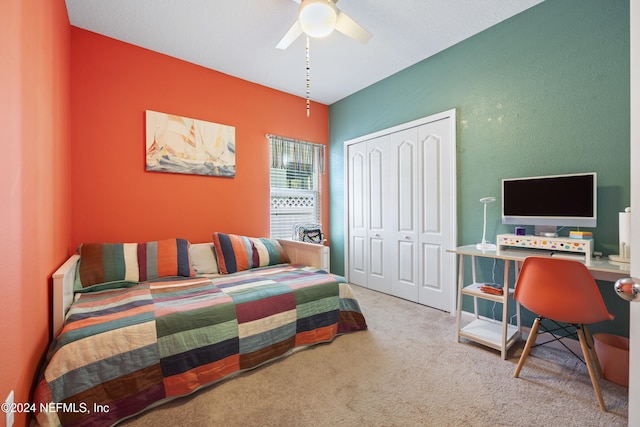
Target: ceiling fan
318	18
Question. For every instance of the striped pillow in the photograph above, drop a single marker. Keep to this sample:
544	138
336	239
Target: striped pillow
120	264
269	251
108	262
234	252
164	258
238	253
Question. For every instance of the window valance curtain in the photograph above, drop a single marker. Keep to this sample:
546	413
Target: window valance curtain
293	154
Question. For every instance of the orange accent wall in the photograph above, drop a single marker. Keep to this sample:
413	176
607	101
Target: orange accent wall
34	182
115	199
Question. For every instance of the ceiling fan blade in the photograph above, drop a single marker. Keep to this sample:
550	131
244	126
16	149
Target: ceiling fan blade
291	35
351	28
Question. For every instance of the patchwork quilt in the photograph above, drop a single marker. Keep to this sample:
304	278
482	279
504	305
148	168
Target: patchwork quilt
122	351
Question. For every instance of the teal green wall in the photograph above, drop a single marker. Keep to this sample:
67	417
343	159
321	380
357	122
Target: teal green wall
544	92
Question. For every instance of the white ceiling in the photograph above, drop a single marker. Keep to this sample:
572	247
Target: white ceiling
238	37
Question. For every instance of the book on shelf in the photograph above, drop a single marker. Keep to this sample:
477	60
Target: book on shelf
580	234
491	288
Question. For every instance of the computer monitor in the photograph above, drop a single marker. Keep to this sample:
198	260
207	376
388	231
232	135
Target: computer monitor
551	201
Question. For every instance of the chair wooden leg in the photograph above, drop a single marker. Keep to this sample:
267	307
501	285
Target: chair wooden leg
527	348
587	358
592	348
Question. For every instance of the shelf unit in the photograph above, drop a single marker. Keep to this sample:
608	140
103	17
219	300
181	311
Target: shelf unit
499	335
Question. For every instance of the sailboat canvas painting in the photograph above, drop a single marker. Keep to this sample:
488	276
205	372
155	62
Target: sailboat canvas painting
189	146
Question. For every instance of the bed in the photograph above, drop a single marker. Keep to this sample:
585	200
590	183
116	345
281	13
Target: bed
122	349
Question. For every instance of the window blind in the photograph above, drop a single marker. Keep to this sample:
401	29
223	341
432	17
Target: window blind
293	154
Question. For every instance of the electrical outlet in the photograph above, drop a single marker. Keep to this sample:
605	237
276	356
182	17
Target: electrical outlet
8	407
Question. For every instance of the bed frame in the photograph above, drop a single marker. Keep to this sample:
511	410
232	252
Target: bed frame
303	253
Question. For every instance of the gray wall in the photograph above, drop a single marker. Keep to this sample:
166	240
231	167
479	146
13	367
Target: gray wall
544	92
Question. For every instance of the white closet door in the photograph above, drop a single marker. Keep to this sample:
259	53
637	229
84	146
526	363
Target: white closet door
401	198
403	212
358	201
379	175
437	191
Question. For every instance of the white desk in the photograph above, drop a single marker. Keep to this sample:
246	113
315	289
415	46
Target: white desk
501	335
601	269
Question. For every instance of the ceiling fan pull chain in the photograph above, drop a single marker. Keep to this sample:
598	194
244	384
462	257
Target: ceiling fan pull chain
308	79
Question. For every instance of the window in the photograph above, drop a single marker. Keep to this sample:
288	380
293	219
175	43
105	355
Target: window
295	184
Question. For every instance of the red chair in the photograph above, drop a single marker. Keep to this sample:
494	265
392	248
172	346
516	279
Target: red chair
562	291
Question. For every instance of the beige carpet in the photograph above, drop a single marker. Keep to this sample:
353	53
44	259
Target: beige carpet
406	370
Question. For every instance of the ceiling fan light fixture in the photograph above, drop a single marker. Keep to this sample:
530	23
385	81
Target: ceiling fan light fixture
318	17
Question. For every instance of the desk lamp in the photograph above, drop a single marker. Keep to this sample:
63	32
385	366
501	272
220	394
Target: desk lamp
485	245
